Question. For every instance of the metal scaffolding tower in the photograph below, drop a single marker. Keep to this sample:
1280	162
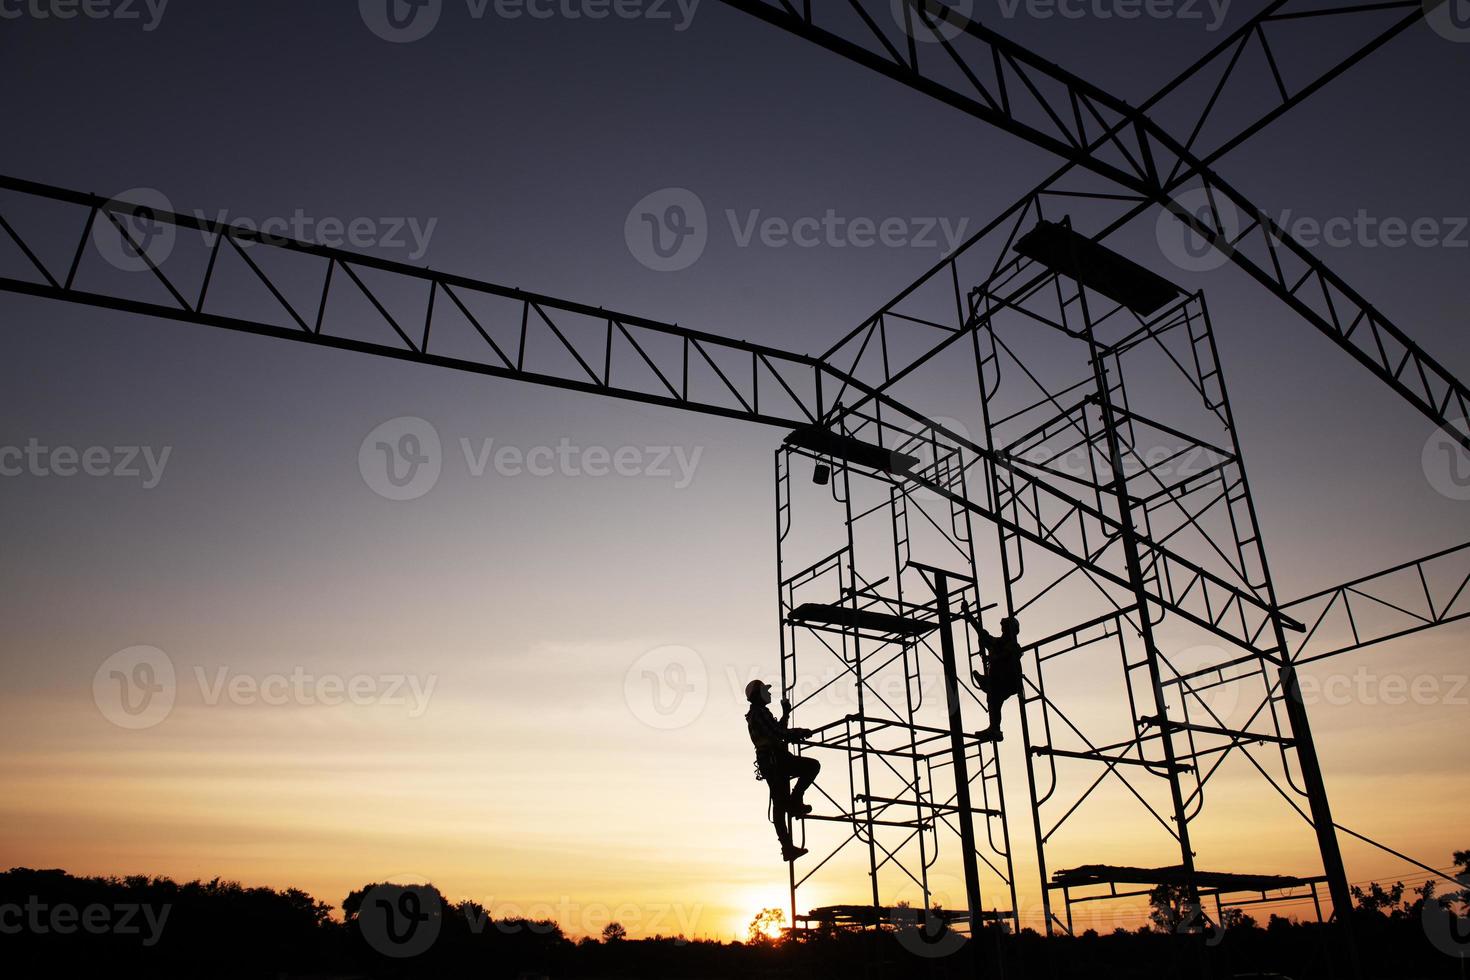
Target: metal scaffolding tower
1055	352
1175	591
872	573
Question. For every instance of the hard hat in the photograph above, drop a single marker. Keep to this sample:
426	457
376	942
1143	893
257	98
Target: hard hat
753	689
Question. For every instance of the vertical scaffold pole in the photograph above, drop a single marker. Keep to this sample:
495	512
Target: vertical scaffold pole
961	768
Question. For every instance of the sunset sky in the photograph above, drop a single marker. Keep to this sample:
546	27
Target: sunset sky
509	747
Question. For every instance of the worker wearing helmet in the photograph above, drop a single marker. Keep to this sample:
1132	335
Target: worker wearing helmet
1002	679
776	763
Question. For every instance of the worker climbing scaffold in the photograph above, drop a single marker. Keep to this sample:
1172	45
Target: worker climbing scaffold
1002	679
777	765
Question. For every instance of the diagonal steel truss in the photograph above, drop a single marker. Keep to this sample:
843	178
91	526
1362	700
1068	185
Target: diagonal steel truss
1396	602
240	279
962	63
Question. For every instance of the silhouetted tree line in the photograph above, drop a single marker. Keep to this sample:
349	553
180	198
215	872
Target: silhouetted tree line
54	924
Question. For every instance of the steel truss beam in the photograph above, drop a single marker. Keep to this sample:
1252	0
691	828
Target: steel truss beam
982	73
1183	101
1396	602
512	333
456	322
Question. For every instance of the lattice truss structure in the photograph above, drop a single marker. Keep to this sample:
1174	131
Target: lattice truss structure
1064	492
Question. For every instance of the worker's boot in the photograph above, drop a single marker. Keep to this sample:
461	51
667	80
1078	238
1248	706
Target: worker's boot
791	852
798	808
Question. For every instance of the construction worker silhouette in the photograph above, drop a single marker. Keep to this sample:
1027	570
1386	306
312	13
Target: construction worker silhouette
776	764
1003	677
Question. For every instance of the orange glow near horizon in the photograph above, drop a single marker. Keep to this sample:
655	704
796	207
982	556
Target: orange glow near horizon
318	799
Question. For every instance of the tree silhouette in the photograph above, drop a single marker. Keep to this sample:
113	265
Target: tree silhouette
1169	907
1236	919
246	933
1461	899
1377	900
764	922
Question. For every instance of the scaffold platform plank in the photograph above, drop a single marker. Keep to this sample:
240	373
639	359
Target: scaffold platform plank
1107	874
816	613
